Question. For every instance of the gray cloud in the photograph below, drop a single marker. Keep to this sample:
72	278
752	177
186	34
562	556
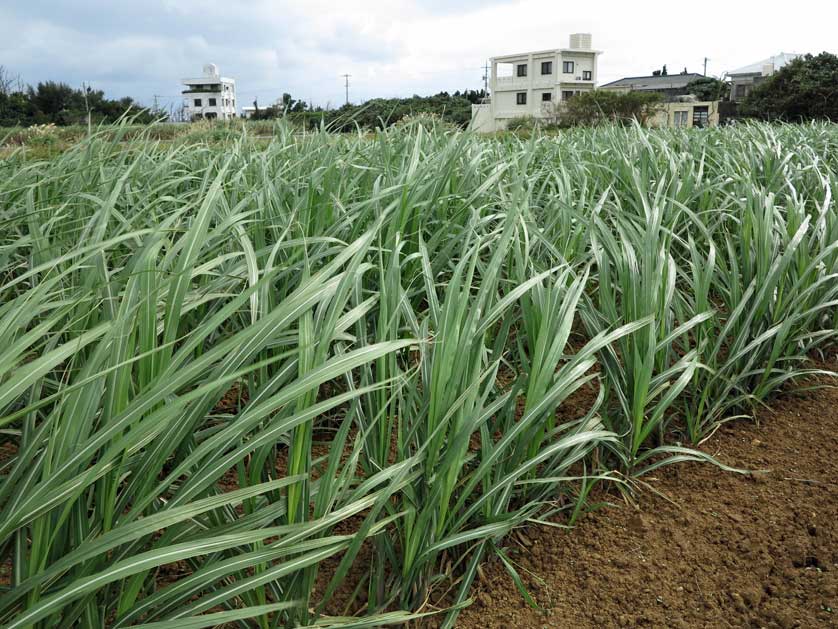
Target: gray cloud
391	47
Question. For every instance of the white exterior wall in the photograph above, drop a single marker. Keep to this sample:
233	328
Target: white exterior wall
504	90
197	97
481	118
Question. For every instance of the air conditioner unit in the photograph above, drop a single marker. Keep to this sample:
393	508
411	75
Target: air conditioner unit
578	78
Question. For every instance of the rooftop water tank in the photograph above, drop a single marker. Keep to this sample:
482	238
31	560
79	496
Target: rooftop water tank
581	41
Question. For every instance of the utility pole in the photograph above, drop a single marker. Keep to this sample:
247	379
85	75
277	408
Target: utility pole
705	65
486	80
86	90
346	77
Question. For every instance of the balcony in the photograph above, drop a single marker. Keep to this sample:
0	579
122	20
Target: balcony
206	88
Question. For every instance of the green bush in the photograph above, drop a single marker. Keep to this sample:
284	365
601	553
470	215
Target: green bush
805	89
603	107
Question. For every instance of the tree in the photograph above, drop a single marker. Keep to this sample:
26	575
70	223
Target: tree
602	107
709	89
15	110
58	103
805	89
9	83
446	107
55	101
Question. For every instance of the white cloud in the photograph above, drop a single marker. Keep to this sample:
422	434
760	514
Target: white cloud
395	47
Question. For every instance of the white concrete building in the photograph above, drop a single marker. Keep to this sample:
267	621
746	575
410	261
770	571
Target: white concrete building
211	96
743	80
248	111
536	83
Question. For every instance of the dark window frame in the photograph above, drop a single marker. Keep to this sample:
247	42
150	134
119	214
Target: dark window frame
212	102
546	68
587	75
197	102
521	70
546	97
701	117
567	94
521	98
569	67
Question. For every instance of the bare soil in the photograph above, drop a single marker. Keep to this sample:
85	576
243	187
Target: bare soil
701	547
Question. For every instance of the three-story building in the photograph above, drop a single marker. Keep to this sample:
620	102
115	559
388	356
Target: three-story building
209	97
535	84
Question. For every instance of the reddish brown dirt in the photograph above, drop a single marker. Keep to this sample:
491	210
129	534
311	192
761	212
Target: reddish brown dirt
704	549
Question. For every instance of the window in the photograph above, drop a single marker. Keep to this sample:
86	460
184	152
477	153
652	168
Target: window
546	67
587	75
546	97
567	95
741	91
522	69
197	102
212	102
701	116
681	118
569	67
521	98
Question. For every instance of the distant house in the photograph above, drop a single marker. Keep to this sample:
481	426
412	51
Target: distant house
743	80
534	84
688	113
248	111
669	86
210	96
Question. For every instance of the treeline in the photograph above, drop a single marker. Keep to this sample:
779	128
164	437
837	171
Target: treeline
60	104
452	108
805	89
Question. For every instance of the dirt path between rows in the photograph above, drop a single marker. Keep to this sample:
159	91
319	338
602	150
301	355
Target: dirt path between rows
714	549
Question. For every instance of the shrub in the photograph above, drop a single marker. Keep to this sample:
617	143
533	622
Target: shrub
598	107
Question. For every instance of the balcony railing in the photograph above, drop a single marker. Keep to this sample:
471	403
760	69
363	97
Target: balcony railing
511	83
197	89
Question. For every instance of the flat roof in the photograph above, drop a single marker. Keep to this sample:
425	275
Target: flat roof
551	51
209	80
778	61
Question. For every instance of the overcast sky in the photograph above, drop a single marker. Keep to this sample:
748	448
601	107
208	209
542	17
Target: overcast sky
390	47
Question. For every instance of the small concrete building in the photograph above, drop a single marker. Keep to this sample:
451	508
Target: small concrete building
679	108
687	113
534	84
249	111
209	97
743	80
